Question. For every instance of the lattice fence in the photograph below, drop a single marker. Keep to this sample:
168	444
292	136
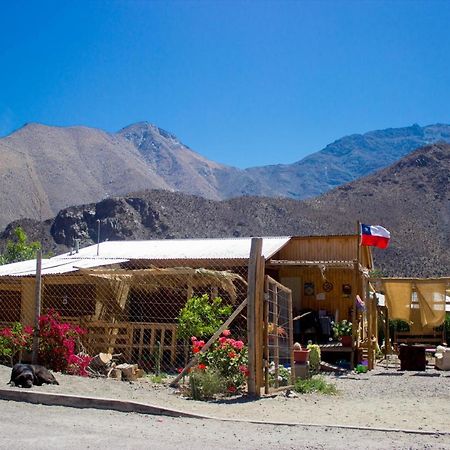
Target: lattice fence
279	338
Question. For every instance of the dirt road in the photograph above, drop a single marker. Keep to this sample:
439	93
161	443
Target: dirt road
25	425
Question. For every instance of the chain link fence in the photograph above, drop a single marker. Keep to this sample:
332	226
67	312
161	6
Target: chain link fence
131	310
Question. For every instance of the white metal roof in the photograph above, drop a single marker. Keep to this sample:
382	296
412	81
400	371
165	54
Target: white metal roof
54	266
114	252
180	249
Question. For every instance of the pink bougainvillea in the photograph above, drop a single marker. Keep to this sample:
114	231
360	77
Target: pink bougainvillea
58	344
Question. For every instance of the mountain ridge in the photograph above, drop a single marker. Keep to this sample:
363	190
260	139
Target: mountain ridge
45	168
411	198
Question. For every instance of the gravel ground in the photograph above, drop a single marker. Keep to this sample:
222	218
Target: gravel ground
53	427
383	398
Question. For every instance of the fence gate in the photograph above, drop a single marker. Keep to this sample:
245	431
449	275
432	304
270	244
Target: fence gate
278	338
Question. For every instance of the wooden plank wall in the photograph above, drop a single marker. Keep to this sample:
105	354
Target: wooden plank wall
335	299
324	248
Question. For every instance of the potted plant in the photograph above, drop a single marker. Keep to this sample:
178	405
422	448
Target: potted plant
300	355
343	332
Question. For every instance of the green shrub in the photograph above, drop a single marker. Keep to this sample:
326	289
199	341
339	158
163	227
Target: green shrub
201	317
19	249
284	375
157	378
314	384
342	328
314	358
205	384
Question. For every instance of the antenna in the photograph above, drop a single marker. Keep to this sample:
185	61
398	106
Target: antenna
98	236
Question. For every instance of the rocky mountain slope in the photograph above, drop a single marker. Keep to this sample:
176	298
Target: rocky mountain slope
45	169
411	198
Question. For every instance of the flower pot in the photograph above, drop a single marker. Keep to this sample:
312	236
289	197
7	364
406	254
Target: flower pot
301	356
346	341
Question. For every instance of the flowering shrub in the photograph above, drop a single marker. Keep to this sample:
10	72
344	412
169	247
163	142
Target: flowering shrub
58	344
78	364
14	340
227	357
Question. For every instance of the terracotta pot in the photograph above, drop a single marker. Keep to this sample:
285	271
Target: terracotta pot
346	341
301	356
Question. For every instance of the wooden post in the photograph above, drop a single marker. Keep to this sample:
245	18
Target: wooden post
37	307
355	292
291	336
252	296
369	312
276	356
266	336
354	315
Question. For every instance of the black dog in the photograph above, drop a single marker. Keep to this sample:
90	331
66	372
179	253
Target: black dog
26	375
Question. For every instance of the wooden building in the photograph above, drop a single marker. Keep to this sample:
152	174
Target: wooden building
147	282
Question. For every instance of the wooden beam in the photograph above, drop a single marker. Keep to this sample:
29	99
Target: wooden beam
252	293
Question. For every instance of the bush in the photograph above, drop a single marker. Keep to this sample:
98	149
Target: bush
223	367
228	357
14	341
201	317
58	344
205	384
314	384
284	375
19	249
314	358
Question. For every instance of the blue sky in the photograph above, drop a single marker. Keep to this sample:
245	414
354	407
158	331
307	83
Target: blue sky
244	83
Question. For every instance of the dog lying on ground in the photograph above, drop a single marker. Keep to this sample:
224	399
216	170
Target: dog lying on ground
27	375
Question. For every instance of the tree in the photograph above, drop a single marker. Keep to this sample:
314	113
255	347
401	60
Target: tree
202	316
19	249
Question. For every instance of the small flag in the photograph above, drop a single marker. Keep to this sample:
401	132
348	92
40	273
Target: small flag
375	235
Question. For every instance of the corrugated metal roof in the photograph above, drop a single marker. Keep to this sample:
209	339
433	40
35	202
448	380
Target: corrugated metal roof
182	249
114	252
55	266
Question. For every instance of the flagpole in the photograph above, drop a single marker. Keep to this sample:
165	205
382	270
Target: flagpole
358	243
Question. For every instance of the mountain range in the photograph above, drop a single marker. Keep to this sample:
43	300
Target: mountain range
411	198
45	169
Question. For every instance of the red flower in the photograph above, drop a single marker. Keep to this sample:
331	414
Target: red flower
231	389
231	354
202	366
193	339
222	340
195	350
226	333
238	345
7	332
244	370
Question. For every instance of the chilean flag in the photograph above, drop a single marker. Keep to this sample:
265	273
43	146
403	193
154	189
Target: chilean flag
375	235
